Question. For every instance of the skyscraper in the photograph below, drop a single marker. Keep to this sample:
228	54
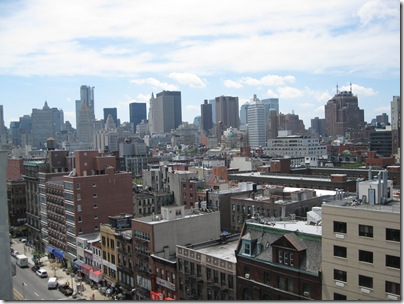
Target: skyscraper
45	123
256	124
271	104
87	97
137	112
243	113
318	126
206	116
113	112
227	111
165	111
342	112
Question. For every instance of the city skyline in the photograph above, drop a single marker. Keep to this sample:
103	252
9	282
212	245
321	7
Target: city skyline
297	52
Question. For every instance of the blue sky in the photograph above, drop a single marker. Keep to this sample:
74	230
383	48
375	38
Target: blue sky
297	51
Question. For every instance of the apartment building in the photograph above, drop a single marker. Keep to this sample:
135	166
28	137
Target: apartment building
207	271
158	235
361	250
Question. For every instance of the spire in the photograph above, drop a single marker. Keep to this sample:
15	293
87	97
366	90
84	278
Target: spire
46	107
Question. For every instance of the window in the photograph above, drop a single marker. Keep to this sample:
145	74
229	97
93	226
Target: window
79	219
340	251
393	288
77	186
103	241
393	261
286	258
179	265
339	227
365	281
247	248
233	207
78	208
112	244
230	282
366	231
95	195
95	206
222	279
366	256
291	261
94	185
339	275
208	274
78	196
338	296
392	235
215	276
280	256
266	278
96	216
198	271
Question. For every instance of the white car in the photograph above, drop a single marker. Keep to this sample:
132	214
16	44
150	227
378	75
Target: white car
41	273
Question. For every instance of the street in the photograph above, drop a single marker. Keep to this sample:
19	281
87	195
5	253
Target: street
29	286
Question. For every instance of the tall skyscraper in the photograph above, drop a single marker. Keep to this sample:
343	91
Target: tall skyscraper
271	104
206	117
113	112
243	113
87	97
45	123
256	124
318	126
227	111
137	112
396	125
341	113
165	111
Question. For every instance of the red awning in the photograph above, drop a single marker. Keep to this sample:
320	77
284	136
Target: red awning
85	268
96	275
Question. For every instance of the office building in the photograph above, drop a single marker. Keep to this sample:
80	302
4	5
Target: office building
381	141
227	111
256	124
243	113
361	246
137	112
295	146
165	112
114	114
318	126
45	123
85	114
292	123
341	113
206	117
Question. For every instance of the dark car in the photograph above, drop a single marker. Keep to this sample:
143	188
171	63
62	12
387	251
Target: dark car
34	268
66	290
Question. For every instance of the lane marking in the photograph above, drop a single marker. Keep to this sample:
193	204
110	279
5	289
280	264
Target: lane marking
36	294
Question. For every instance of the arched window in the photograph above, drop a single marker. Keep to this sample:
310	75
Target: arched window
246	294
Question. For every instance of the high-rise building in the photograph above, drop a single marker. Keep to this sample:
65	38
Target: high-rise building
113	112
381	141
227	111
272	124
137	112
271	104
318	126
243	113
396	124
256	125
341	113
85	129
86	97
45	123
292	123
165	111
206	116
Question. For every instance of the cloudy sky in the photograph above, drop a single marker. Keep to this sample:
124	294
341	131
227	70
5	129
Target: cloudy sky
295	50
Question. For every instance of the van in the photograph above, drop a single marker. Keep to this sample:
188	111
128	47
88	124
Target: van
22	260
52	283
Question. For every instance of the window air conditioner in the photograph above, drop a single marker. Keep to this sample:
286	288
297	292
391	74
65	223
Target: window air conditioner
306	293
247	276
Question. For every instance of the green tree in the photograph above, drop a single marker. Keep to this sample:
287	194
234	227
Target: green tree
37	255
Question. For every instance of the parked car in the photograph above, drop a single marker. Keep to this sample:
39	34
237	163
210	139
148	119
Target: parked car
52	283
23	240
66	290
15	253
34	268
41	273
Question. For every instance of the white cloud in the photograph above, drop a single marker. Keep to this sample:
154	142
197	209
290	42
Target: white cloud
378	9
359	90
232	84
156	84
289	92
189	79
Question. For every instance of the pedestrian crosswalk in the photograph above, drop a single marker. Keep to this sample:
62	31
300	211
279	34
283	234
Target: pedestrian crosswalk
17	296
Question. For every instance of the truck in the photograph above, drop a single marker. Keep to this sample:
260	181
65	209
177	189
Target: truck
22	260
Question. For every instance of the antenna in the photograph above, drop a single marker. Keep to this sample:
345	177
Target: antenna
350	87
337	88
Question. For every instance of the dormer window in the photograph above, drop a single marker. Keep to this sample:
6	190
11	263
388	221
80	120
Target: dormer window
247	248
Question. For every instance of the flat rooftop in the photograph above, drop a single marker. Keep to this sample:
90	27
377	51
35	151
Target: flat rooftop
292	226
221	251
351	202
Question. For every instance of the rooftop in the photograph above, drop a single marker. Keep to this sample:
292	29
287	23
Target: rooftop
221	251
351	202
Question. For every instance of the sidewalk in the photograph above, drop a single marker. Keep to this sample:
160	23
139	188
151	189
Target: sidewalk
86	293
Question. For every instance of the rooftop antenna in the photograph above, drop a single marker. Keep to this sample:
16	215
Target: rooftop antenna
337	88
350	87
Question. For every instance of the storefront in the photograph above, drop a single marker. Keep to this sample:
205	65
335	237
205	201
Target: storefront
77	265
95	276
85	270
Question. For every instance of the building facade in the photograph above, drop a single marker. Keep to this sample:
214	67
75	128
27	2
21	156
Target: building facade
137	112
227	111
206	117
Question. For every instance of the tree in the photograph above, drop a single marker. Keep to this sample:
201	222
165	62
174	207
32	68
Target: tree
37	255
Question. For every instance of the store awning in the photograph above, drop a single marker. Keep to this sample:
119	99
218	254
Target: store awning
85	268
49	249
58	254
78	263
96	275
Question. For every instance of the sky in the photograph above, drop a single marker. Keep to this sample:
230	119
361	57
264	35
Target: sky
294	50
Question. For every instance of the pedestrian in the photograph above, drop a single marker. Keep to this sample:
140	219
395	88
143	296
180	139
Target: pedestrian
93	297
